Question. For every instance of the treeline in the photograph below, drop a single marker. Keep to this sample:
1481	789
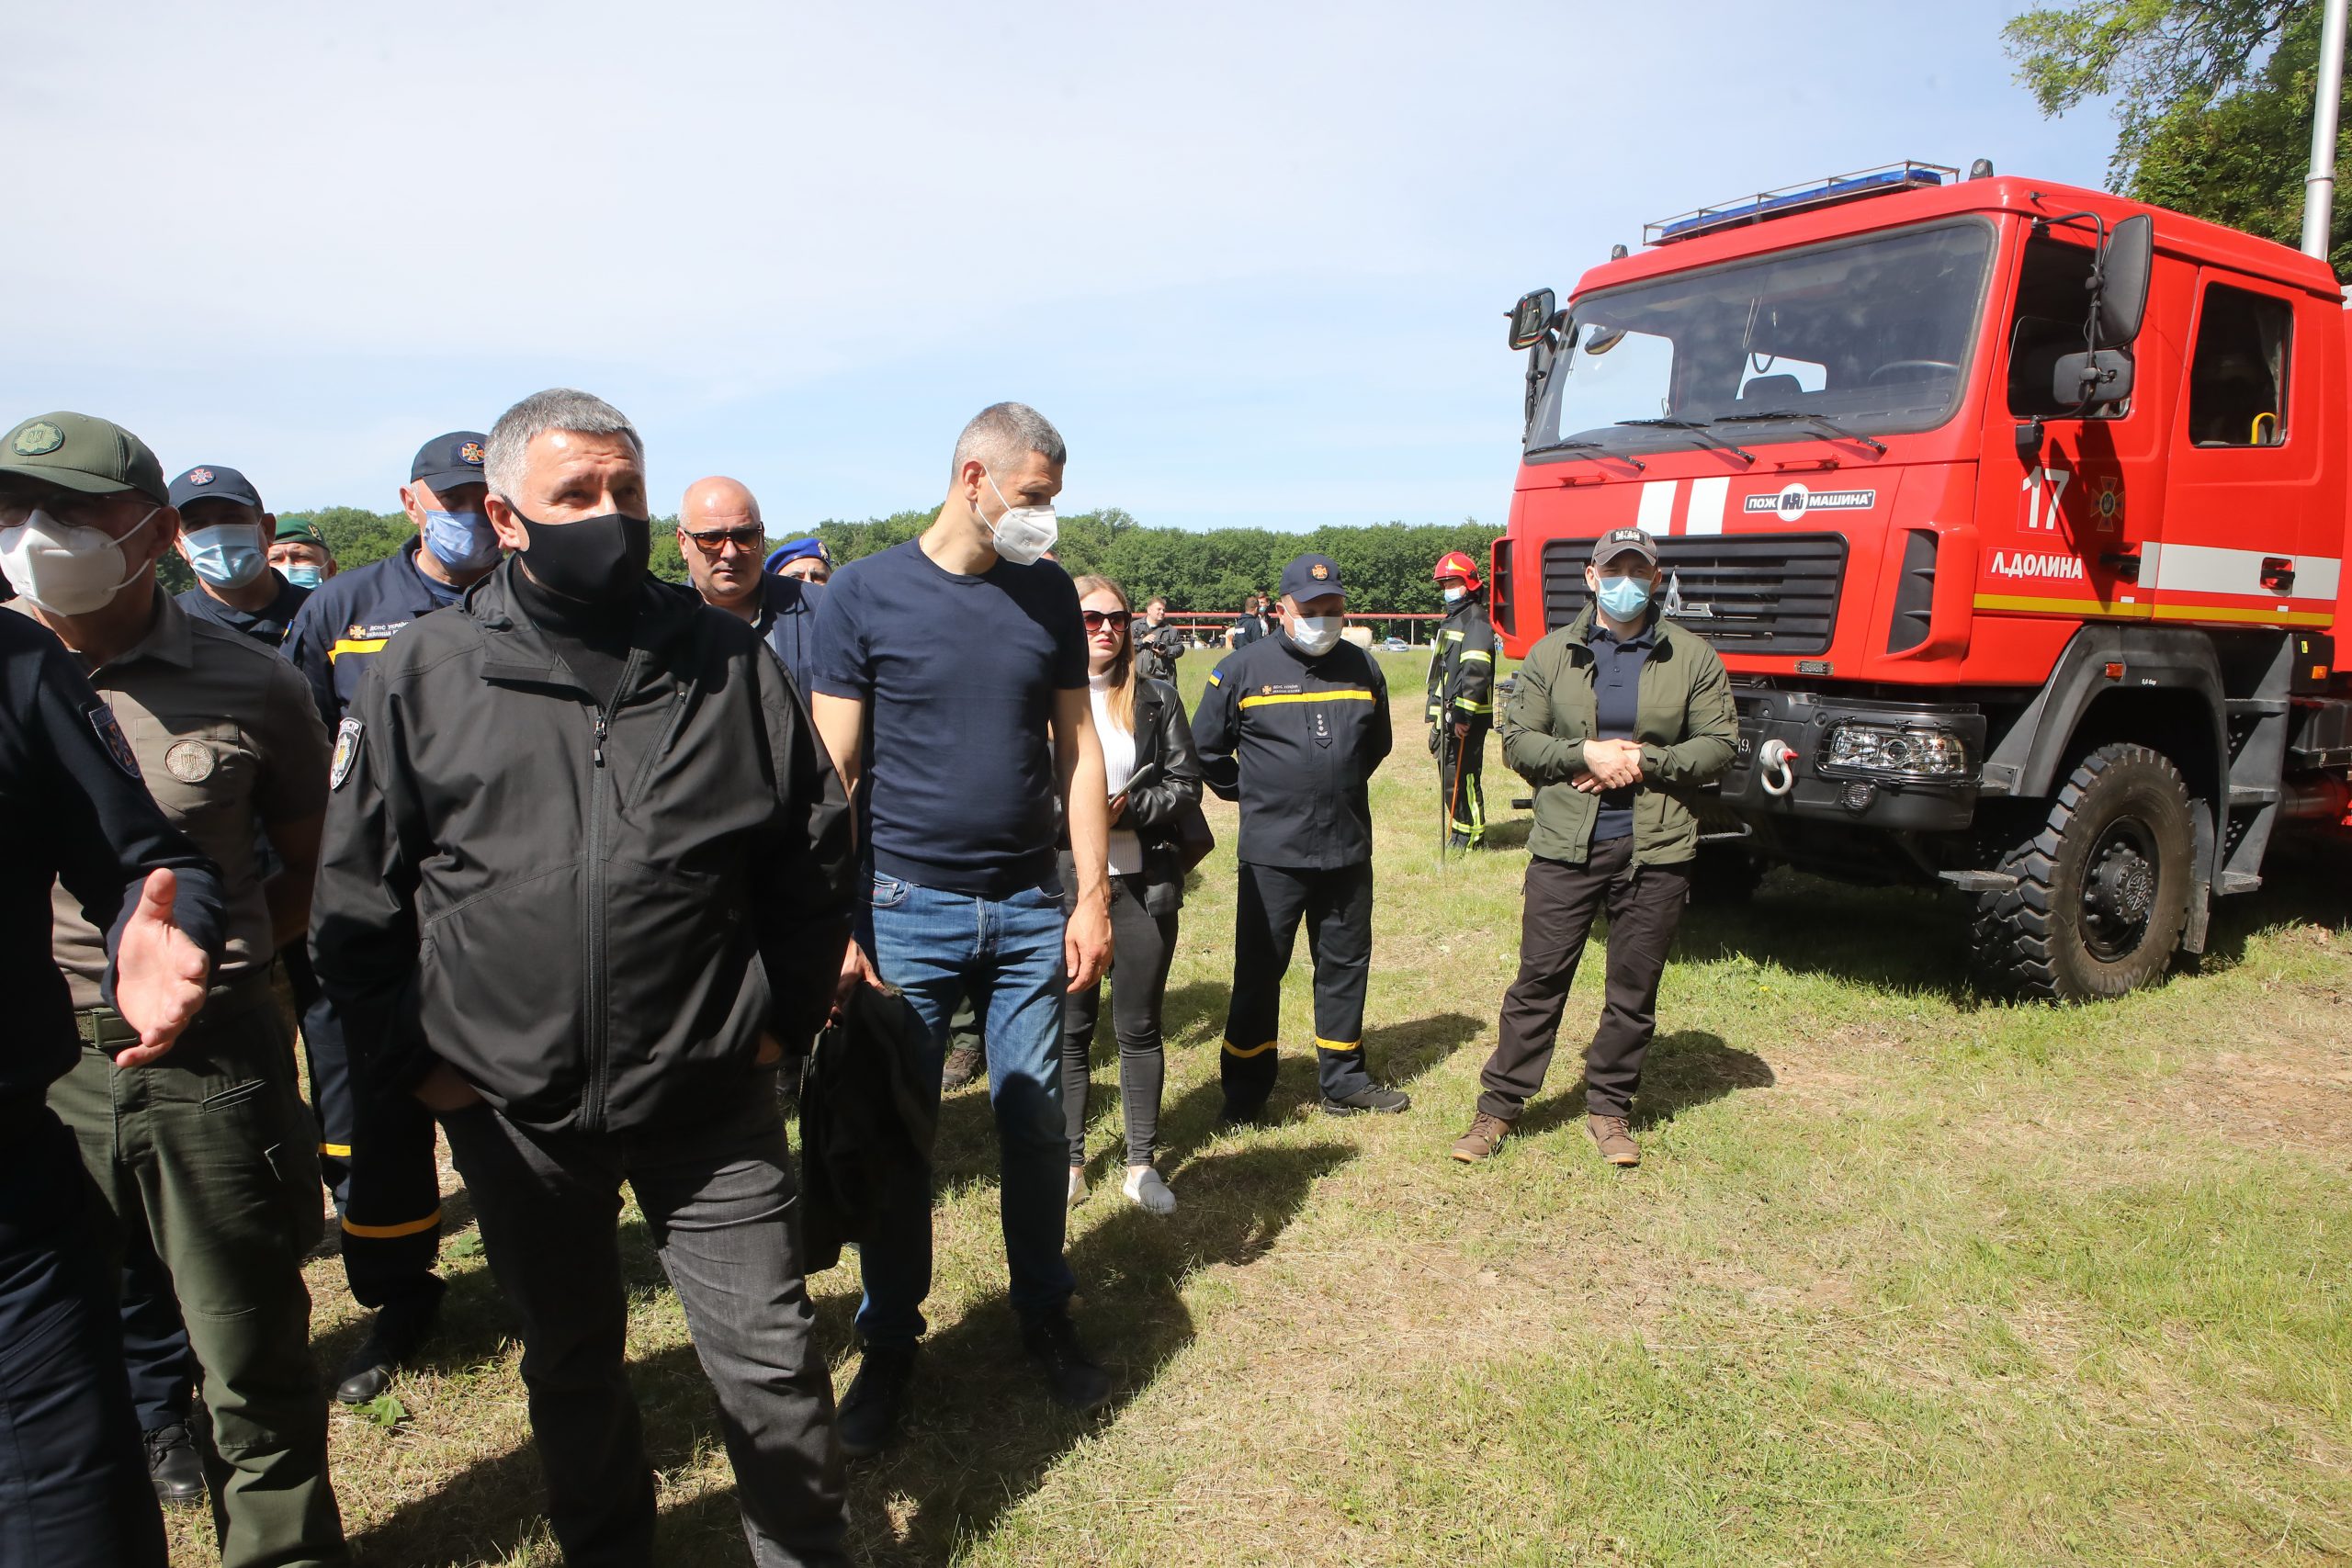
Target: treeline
1386	565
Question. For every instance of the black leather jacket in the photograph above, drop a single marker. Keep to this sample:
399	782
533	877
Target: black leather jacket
1164	736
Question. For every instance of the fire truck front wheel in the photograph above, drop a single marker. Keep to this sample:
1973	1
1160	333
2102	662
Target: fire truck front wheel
2102	889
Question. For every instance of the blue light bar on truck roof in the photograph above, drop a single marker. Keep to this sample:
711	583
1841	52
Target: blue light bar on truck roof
1909	174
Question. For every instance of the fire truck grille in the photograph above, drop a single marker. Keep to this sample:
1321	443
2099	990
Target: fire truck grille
1743	593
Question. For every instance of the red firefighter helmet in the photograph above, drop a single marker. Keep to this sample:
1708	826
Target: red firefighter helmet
1453	563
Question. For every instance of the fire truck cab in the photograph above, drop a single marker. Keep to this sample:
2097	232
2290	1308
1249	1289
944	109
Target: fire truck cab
2017	513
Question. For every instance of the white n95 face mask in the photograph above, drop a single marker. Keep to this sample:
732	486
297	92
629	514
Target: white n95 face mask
64	570
1318	635
1024	533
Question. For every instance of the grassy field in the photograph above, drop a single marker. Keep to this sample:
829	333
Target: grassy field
1906	1278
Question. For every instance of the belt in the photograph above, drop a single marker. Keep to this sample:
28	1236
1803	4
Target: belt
105	1027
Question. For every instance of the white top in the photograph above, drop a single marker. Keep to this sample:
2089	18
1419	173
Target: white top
1118	766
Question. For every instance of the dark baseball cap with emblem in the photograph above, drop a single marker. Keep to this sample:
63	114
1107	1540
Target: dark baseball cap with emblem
1617	541
446	461
75	451
1311	577
210	481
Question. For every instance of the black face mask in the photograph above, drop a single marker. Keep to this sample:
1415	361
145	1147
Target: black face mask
597	560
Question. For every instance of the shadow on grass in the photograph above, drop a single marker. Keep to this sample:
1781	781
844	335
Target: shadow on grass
982	1435
1682	1071
2303	881
1895	938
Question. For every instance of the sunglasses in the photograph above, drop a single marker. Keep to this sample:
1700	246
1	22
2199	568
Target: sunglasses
1097	620
748	537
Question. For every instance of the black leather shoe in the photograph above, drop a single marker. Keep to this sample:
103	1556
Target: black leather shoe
398	1333
1072	1377
1371	1096
172	1461
876	1402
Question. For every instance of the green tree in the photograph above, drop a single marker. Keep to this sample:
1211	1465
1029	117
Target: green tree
2213	103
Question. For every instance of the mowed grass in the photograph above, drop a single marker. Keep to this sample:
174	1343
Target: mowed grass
1906	1275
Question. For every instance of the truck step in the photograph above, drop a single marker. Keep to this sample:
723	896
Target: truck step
2238	882
2256	707
2252	795
1980	881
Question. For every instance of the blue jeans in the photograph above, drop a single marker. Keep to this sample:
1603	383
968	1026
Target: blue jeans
1007	954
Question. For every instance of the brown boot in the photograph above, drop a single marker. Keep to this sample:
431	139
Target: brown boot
1486	1135
964	1063
1616	1140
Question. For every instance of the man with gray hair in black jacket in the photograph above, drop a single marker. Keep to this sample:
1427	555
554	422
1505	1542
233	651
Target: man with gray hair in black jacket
586	870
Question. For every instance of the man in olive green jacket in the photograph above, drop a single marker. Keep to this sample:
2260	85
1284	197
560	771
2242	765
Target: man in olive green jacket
1613	720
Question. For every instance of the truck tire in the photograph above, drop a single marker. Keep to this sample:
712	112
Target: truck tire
2102	891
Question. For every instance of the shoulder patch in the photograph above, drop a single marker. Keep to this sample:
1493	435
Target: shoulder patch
118	744
346	752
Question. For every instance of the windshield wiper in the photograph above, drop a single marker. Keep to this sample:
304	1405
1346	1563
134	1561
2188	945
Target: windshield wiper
1593	447
1840	432
1698	428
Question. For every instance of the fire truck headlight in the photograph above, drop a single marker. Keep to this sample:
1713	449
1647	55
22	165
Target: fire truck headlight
1893	750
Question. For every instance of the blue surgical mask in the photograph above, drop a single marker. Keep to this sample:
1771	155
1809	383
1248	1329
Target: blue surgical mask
227	555
462	541
304	576
1624	597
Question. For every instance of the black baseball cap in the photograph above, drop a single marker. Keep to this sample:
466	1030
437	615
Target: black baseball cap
452	459
1311	577
1617	541
210	481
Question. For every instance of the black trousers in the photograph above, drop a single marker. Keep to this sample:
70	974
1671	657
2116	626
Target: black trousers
74	1486
1145	944
1644	904
1466	758
718	1198
375	1153
1337	907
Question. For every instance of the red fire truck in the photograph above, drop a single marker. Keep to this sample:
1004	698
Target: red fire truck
2017	513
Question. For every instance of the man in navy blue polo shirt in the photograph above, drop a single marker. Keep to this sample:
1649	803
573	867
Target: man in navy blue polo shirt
951	672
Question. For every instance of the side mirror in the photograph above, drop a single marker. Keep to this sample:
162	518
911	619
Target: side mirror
2123	281
2089	380
1532	318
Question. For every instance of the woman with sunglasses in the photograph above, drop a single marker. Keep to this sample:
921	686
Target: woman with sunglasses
1154	777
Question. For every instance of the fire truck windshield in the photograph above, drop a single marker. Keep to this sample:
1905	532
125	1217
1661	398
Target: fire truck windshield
1872	334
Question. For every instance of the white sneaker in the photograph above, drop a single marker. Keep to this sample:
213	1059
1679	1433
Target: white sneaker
1149	1189
1077	1185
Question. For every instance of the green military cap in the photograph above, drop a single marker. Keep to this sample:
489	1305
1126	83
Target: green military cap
74	451
300	531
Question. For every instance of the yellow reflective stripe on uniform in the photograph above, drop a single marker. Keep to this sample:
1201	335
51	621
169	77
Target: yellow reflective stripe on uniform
1470	653
1337	694
356	644
1323	1045
384	1233
1449	635
340	1151
1466	705
1233	1050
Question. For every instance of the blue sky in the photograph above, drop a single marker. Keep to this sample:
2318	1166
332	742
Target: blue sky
1253	259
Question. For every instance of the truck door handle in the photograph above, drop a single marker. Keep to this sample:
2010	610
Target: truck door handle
2126	567
2278	574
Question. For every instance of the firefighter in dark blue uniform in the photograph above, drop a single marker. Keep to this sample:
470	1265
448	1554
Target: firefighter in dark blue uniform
376	1150
1292	726
226	535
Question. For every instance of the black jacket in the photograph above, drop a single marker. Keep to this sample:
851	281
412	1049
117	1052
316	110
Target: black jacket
72	807
866	1131
1305	735
1156	810
1157	648
1462	665
574	908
